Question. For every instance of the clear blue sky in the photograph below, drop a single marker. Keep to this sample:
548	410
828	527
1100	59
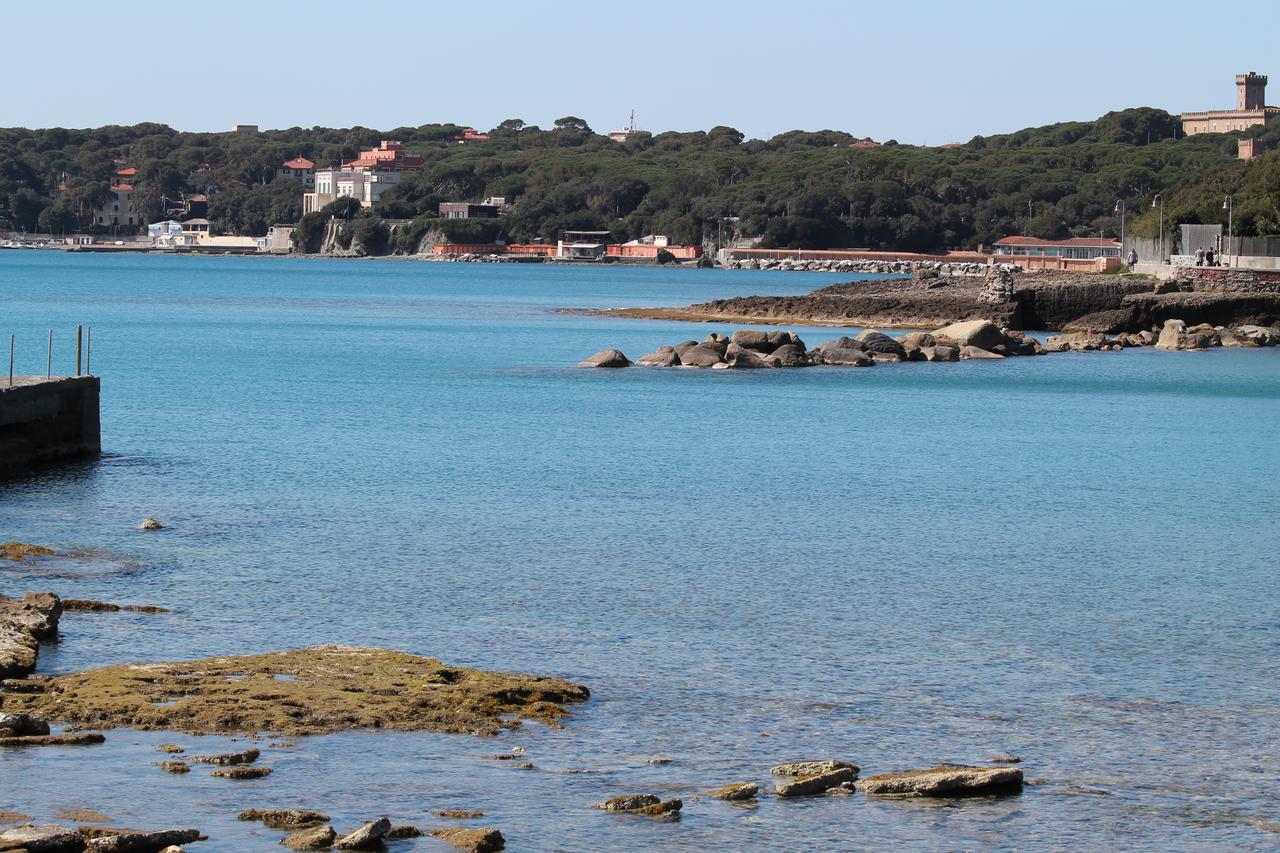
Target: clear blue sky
920	72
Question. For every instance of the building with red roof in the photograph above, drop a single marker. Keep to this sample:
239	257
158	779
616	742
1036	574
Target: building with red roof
1073	253
298	169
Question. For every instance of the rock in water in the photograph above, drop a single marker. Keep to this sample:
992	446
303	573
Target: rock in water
978	353
48	836
811	768
317	838
842	357
226	759
644	804
739	791
21	725
971	333
1176	336
325	689
128	841
878	342
606	358
175	767
701	356
751	339
807	786
242	772
659	359
23	624
367	837
472	840
284	818
944	782
940	353
150	523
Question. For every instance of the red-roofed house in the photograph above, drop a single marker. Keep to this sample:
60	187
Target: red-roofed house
864	143
1073	253
118	211
365	178
298	169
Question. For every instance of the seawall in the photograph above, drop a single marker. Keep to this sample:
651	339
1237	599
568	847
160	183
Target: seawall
47	420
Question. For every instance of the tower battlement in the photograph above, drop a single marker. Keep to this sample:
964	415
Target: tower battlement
1251	91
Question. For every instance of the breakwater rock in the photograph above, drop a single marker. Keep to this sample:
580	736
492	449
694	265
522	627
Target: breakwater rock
753	349
879	267
1092	302
310	691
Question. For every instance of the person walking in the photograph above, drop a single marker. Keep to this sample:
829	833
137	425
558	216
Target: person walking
1132	258
1209	257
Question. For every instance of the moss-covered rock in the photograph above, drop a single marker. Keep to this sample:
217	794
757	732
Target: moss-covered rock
310	691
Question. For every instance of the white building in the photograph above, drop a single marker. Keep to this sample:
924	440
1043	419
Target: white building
118	209
364	185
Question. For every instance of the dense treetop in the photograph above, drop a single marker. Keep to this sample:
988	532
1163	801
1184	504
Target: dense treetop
801	188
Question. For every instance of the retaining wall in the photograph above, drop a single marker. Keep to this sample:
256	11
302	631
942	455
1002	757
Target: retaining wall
47	420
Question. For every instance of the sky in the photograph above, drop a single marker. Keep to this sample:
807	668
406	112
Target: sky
920	72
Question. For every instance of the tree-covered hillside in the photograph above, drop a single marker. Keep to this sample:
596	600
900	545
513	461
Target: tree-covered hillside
807	189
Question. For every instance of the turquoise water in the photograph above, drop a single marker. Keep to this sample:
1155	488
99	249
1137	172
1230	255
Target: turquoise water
1069	558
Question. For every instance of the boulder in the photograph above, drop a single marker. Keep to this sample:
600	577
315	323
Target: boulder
644	804
129	841
1258	336
1078	341
820	783
471	840
659	359
744	358
1020	343
843	357
940	353
779	339
739	791
971	333
404	830
878	342
150	523
789	355
700	356
916	340
887	358
810	768
367	837
753	340
682	346
606	358
48	837
242	772
1176	336
978	353
944	782
315	838
22	725
23	624
175	767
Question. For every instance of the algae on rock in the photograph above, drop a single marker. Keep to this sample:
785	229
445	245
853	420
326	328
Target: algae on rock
309	691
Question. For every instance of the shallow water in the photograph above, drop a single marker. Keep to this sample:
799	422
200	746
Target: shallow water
1069	558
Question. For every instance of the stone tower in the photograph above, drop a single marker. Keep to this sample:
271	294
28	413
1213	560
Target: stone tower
1251	91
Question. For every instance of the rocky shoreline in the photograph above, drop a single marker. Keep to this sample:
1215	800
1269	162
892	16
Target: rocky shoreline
1070	302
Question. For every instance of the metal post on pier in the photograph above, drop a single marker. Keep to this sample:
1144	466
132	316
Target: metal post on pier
88	351
10	359
79	346
48	371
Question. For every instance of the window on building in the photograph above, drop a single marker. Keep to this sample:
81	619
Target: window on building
115	208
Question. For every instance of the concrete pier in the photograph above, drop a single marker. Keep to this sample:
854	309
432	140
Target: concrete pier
45	420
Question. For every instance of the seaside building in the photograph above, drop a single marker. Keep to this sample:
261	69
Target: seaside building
118	210
365	178
298	169
244	128
582	245
649	246
1074	253
1251	109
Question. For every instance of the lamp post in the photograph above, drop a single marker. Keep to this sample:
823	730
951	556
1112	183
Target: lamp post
1119	208
1159	200
1229	207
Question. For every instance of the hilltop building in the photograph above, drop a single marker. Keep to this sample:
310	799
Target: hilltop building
119	209
298	169
1251	109
365	178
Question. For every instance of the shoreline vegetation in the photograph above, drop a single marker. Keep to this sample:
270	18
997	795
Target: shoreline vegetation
332	688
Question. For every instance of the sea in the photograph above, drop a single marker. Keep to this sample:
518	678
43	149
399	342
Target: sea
1070	559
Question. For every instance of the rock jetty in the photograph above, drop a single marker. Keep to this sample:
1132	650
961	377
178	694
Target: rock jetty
753	349
311	691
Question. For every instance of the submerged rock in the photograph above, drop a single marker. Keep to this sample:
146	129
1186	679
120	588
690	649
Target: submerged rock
820	783
606	358
133	841
20	552
326	689
459	814
284	818
175	767
225	759
316	838
367	837
472	840
944	782
150	523
242	772
644	804
65	739
739	791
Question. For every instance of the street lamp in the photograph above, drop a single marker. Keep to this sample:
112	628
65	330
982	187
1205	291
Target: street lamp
1120	209
1159	200
1229	207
